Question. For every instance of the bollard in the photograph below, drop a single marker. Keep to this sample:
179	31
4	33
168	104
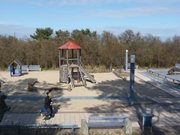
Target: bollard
128	127
84	127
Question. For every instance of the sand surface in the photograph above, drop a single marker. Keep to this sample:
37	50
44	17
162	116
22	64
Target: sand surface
79	99
87	100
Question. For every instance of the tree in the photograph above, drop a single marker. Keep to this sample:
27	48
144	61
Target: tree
42	33
62	36
103	49
127	37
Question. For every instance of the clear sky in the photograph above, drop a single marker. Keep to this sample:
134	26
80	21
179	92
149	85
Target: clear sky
157	17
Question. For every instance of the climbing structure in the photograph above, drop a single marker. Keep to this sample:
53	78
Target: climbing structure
70	68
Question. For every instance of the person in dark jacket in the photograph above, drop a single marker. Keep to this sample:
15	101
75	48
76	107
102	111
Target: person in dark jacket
3	106
48	103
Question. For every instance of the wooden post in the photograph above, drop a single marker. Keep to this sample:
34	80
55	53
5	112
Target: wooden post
78	63
78	57
72	54
128	127
63	56
59	65
84	127
67	58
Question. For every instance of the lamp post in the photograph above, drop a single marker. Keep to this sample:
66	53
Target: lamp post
126	61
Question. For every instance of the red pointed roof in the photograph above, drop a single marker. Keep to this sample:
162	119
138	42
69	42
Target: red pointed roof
69	45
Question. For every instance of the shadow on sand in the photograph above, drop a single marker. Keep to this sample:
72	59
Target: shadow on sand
26	105
166	113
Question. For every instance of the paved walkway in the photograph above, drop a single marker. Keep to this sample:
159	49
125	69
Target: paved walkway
161	86
59	98
59	118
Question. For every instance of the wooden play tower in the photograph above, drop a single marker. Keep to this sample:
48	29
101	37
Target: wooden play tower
70	68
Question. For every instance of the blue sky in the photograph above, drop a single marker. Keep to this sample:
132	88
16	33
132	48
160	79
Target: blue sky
157	17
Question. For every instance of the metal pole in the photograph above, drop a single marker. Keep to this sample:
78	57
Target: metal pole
132	71
126	61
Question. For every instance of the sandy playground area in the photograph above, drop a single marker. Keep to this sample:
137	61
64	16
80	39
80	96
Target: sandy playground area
108	95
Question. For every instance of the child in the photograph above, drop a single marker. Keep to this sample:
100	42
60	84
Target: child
48	102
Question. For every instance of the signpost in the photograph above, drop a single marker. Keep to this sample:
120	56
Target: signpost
132	71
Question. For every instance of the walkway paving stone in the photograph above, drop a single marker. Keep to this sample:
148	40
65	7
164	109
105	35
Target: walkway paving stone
59	118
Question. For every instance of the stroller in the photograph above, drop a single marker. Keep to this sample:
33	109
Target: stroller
46	112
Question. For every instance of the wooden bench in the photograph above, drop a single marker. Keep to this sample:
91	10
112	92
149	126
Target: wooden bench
177	66
63	126
34	68
72	127
25	68
106	122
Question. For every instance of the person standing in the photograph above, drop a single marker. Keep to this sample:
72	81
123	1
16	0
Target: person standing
48	103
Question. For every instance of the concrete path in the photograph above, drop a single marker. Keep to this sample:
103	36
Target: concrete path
59	118
161	86
33	98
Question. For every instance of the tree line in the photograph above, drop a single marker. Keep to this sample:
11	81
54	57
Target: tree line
103	49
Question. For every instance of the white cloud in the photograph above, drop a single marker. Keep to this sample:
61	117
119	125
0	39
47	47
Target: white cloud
78	2
141	11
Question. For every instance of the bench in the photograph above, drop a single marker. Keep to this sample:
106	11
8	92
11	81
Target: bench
25	68
62	126
106	122
177	66
22	127
34	68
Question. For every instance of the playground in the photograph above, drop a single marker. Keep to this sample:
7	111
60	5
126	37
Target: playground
78	94
108	96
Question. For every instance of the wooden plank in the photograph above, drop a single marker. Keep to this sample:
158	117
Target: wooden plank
66	126
111	120
107	117
108	124
25	68
177	65
34	68
59	65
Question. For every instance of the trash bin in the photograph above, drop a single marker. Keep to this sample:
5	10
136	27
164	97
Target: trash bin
147	121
